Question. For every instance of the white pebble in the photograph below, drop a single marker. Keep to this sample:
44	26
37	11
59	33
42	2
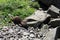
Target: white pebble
25	33
10	31
36	39
32	35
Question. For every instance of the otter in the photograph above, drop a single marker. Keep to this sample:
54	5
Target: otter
18	21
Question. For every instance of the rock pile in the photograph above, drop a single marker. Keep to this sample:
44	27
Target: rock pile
19	33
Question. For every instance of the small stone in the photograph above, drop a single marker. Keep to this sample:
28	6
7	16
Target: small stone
5	28
11	31
25	33
31	31
11	38
19	39
24	39
3	33
36	39
32	35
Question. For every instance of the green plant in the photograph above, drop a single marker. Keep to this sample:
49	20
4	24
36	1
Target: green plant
22	8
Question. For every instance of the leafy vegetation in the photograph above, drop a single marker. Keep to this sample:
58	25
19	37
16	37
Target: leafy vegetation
22	8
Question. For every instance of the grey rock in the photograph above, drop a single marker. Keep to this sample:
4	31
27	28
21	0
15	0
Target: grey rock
57	36
50	35
53	11
38	16
32	35
55	22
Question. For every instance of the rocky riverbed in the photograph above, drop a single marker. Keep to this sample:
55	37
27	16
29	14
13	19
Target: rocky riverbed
19	33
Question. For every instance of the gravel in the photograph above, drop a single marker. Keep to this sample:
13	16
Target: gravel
19	33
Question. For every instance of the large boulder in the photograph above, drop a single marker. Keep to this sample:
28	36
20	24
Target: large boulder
57	36
54	23
53	11
38	15
50	35
37	19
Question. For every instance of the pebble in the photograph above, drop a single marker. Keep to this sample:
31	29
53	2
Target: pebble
32	35
36	39
19	33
